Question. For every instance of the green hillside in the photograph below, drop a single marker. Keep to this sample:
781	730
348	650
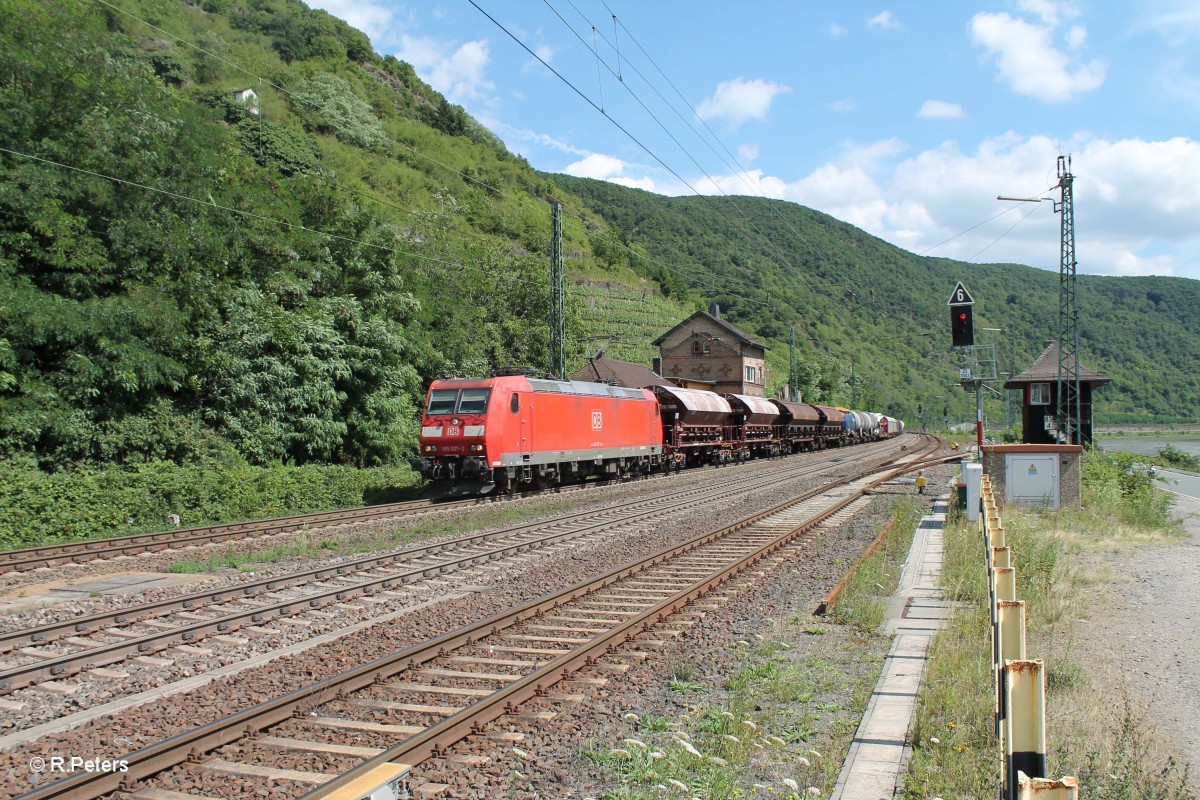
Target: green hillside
185	278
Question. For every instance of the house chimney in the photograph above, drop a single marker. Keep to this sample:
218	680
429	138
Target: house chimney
715	311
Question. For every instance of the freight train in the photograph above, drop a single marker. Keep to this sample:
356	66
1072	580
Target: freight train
503	433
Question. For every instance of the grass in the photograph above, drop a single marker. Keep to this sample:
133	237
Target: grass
777	725
1104	740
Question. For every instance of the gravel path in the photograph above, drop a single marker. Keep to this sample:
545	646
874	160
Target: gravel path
1156	630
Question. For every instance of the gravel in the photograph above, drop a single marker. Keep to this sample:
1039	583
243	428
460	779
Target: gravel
1154	630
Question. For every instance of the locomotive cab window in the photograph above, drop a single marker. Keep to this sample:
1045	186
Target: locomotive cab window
514	405
1039	394
441	401
473	401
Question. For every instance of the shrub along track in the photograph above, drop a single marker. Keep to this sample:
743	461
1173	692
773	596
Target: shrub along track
509	658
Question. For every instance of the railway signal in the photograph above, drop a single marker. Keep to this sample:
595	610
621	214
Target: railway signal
962	330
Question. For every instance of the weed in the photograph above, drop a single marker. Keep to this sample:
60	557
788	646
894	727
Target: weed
683	687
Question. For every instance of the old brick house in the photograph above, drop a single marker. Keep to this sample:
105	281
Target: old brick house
706	351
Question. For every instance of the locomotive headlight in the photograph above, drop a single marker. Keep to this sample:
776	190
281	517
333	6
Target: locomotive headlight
476	448
430	448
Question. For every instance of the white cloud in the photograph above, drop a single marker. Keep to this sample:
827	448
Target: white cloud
884	20
748	152
1178	26
836	30
1136	207
940	109
843	105
596	165
739	100
373	19
1028	61
457	72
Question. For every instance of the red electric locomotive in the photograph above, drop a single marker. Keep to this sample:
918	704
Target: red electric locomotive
499	433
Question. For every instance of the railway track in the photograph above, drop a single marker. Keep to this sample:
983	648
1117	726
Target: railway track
56	650
79	552
454	685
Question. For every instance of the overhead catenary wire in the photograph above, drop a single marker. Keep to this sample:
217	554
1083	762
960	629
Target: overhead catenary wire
716	184
740	171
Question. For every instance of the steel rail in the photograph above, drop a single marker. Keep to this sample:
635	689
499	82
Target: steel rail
51	631
47	668
77	552
192	744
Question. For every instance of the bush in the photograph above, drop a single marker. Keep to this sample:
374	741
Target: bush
1118	485
92	502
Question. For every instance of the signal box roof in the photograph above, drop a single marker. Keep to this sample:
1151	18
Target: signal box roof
1045	370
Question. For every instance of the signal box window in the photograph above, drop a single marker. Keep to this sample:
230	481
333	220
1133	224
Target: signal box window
441	401
751	374
1039	394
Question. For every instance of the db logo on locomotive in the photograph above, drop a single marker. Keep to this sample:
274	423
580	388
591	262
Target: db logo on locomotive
597	420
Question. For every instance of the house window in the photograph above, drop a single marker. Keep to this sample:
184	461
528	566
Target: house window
1039	394
751	374
695	345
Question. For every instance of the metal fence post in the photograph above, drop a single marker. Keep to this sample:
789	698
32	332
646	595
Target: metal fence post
1024	723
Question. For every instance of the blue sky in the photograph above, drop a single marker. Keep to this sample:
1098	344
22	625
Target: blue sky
904	120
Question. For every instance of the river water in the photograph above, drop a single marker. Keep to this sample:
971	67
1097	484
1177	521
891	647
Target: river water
1150	445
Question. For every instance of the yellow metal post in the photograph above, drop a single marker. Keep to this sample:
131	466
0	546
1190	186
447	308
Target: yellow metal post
1024	723
1001	557
1006	583
1008	637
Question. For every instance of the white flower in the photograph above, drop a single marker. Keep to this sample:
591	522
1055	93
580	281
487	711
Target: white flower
519	753
636	743
750	724
680	785
616	751
814	791
731	738
683	735
791	784
934	740
803	761
720	762
814	753
727	715
776	740
687	746
657	754
630	717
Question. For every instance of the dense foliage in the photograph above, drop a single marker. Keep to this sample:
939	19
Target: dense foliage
258	301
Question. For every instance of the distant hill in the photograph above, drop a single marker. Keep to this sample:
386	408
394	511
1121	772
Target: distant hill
189	276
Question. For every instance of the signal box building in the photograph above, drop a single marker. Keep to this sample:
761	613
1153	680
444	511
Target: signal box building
706	351
1039	386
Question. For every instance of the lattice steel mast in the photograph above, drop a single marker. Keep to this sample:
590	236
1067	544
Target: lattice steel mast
1069	411
558	298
